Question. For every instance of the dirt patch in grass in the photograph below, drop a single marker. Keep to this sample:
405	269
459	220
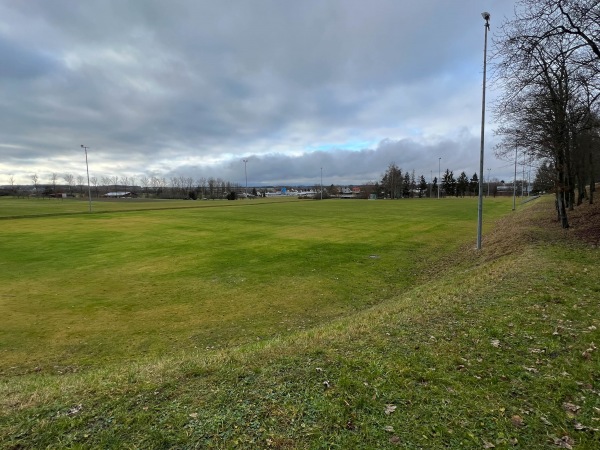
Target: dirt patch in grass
585	223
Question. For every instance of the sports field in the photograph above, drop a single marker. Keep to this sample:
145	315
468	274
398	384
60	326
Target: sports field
79	290
297	325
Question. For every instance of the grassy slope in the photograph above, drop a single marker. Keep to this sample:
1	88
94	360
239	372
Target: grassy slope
497	349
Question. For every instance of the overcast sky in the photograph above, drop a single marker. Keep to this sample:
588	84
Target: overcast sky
192	87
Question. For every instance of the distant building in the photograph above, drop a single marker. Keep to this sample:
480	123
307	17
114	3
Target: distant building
120	194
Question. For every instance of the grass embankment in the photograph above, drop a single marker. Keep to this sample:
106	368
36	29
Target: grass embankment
494	348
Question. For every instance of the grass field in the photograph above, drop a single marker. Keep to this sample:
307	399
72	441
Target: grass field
11	208
306	324
81	290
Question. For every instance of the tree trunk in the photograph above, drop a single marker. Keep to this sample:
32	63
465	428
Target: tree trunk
592	179
561	195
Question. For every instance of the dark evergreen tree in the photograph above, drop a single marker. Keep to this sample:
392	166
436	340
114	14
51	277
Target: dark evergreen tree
474	185
462	184
406	185
448	183
422	186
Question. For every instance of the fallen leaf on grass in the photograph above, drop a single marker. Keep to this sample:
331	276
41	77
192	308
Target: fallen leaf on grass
193	415
564	442
75	410
495	343
588	352
537	350
545	421
517	421
395	440
389	428
571	409
580	427
389	409
488	445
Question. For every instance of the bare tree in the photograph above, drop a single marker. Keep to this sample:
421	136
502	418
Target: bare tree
94	181
202	184
578	19
106	182
132	183
54	178
70	180
145	182
34	179
211	187
80	182
548	64
392	181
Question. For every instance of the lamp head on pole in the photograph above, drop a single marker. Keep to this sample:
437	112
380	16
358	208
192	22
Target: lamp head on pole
486	17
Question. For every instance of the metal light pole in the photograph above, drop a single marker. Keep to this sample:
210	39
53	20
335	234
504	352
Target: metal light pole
246	175
87	168
321	183
489	181
439	174
515	179
430	182
486	17
523	179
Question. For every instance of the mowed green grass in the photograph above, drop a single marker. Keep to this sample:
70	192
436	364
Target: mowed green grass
33	207
483	349
90	289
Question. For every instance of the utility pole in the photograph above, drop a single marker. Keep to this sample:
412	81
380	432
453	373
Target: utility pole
246	174
515	179
321	183
439	175
87	168
486	17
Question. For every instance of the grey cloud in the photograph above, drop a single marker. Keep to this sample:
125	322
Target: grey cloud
159	85
343	166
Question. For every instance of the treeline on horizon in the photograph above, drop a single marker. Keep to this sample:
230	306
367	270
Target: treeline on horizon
394	184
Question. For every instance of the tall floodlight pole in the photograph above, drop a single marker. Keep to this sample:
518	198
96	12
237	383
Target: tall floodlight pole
489	181
439	174
529	176
87	168
515	178
523	179
246	175
321	183
486	17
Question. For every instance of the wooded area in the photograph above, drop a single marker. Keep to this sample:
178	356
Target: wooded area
547	60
